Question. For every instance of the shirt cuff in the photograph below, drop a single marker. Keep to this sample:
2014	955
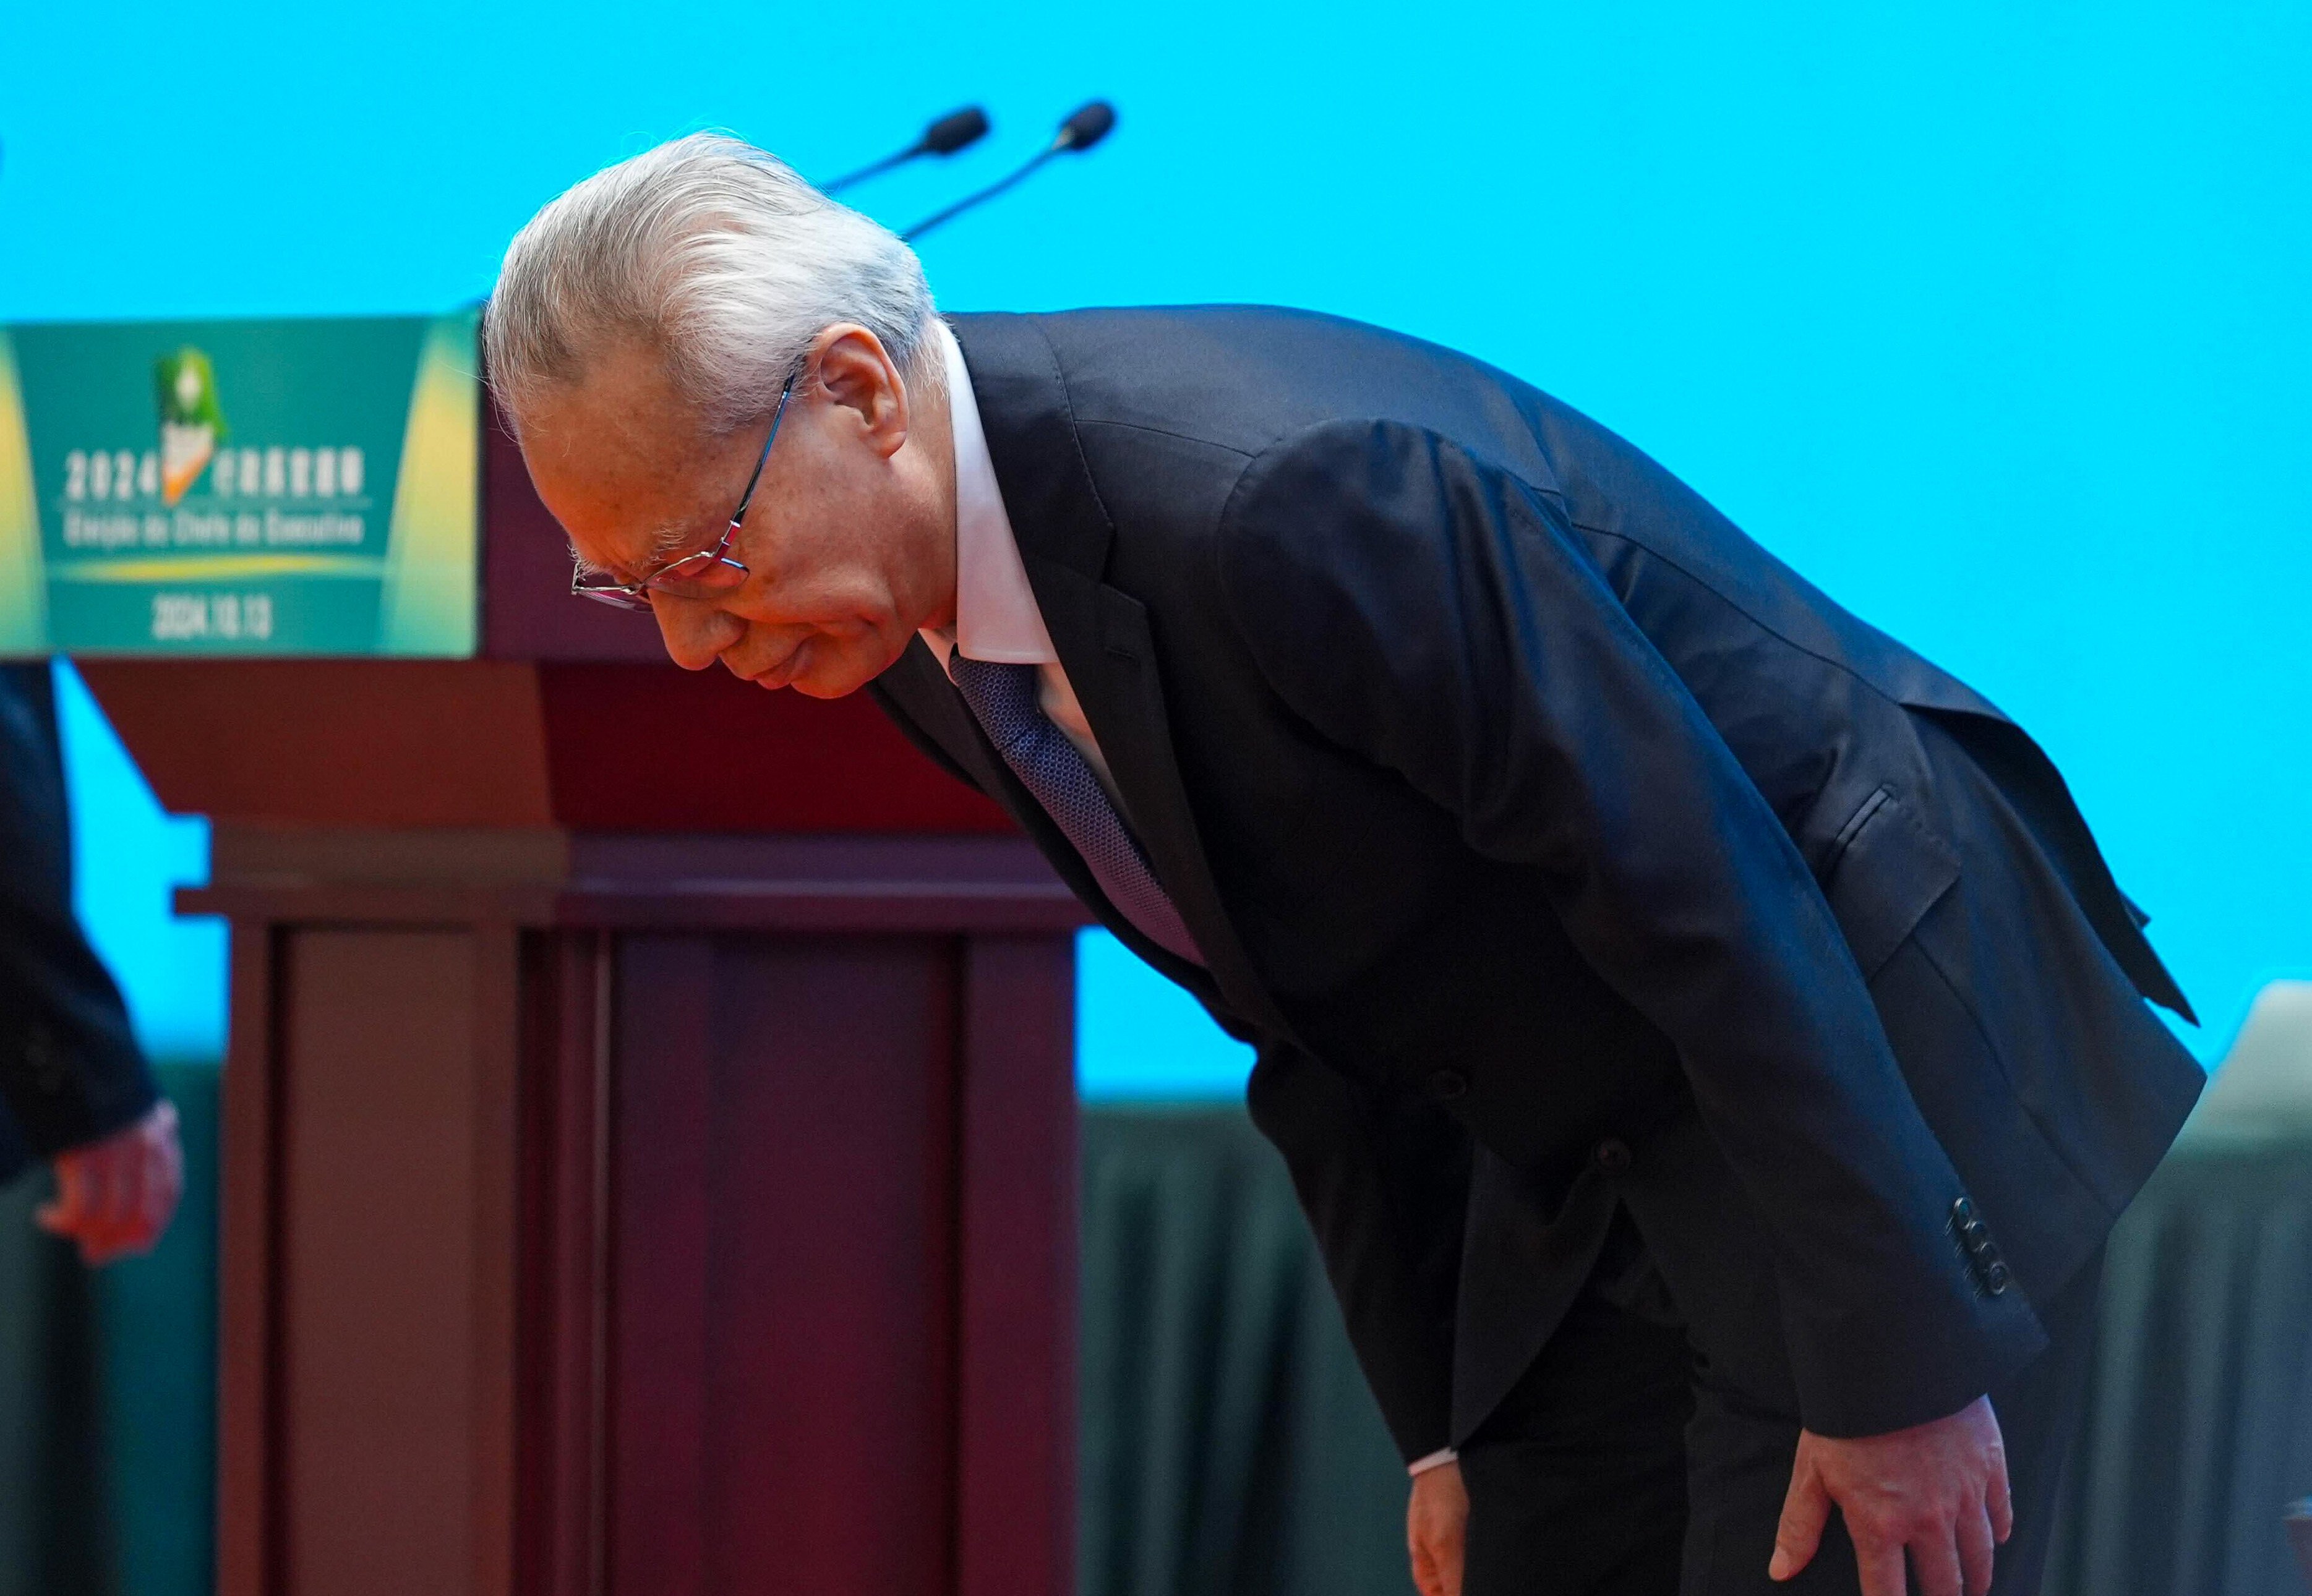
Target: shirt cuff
1435	1460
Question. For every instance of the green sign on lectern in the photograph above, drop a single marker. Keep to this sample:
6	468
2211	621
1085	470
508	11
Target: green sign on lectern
239	487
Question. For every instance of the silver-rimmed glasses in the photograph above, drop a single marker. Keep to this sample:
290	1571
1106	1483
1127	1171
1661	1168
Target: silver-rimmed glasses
706	574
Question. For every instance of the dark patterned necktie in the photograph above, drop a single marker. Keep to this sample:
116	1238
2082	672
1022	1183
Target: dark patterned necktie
1004	699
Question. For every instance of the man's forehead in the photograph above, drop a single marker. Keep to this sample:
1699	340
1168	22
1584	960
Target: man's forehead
626	497
625	426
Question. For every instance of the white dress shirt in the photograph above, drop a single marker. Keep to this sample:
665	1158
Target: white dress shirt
996	615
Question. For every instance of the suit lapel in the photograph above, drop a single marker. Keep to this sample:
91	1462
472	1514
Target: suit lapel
1104	641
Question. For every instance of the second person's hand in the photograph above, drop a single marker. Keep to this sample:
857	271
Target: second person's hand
1436	1529
115	1197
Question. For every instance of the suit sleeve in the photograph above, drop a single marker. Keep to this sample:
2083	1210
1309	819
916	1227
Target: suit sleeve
1384	1181
1436	615
70	1070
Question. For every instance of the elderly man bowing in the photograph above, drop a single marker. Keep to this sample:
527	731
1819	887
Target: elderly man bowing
1708	1044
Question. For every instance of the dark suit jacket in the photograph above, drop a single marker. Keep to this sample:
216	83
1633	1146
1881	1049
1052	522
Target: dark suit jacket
70	1072
1521	805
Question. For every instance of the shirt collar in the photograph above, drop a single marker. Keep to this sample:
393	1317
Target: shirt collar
995	613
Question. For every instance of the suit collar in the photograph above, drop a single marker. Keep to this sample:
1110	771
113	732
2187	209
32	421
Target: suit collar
1030	428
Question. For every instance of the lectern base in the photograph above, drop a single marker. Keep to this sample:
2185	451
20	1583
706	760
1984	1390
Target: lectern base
622	1215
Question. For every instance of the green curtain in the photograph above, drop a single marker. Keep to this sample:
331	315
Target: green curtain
1229	1445
2199	1424
54	1540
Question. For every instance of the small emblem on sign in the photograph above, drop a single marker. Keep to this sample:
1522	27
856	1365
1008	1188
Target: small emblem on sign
191	425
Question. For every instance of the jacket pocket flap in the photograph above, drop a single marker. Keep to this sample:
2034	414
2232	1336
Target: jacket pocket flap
1889	869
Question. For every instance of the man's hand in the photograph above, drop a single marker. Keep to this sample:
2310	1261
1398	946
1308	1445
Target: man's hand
115	1197
1939	1489
1436	1527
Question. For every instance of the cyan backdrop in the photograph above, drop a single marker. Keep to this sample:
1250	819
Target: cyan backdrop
1992	319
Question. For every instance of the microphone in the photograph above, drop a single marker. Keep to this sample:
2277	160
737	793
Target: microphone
1086	126
955	131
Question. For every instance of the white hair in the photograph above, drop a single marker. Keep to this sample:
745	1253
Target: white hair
718	257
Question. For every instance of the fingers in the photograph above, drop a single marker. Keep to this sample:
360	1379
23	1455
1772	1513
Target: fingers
1949	1556
1806	1509
1424	1575
1998	1499
1975	1545
1880	1565
159	1182
124	1194
1449	1561
105	1177
1431	1556
1935	1555
134	1194
1960	1557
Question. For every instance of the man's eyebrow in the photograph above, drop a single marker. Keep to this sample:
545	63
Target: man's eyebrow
674	539
664	543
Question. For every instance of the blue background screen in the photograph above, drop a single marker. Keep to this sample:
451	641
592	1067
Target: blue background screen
1992	319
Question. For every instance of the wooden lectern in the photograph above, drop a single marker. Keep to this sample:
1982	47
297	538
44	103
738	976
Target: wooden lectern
649	1123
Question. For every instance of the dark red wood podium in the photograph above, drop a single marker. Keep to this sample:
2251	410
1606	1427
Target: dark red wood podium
649	1123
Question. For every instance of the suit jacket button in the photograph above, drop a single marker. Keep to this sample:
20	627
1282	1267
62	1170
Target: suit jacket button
1963	1213
1448	1084
1995	1277
1613	1154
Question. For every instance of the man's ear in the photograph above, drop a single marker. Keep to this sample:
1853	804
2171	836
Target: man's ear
851	366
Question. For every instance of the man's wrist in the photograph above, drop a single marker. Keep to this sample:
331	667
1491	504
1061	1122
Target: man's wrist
1435	1460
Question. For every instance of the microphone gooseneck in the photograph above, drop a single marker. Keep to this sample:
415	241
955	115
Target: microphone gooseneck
1086	126
955	131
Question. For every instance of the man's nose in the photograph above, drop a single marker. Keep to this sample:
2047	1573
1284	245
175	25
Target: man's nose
694	633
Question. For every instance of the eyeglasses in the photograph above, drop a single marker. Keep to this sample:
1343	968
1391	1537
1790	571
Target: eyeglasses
706	574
